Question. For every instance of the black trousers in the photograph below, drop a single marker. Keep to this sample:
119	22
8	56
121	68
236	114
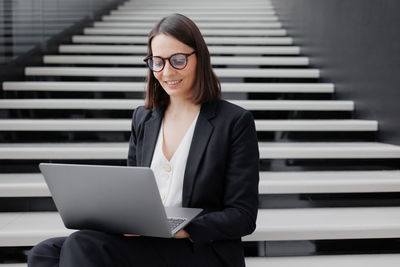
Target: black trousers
92	248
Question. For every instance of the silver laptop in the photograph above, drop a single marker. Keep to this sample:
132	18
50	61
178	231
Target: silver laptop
113	199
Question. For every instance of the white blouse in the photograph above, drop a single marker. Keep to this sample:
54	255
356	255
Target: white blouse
169	174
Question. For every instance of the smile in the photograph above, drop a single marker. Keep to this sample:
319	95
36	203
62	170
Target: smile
173	82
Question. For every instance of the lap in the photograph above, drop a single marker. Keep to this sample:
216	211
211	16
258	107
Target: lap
124	251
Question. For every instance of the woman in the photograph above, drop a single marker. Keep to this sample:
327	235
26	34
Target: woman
204	154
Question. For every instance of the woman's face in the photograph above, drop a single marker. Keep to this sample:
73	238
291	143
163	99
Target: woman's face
176	83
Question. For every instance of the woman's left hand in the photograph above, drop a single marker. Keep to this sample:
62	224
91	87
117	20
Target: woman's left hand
181	234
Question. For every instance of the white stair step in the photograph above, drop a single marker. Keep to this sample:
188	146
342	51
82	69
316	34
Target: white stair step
329	182
189	7
201	25
130	104
190	13
328	150
142	72
316	125
215	60
302	182
125	125
197	5
354	260
209	4
326	223
215	7
205	32
23	185
266	18
140	49
140	87
189	4
29	228
109	150
268	150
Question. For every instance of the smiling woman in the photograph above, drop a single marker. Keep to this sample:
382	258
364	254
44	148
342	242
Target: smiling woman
178	34
175	82
203	152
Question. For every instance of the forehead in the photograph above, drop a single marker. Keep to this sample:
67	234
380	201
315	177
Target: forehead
164	45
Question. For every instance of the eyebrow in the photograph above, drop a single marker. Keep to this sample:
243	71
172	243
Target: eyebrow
171	54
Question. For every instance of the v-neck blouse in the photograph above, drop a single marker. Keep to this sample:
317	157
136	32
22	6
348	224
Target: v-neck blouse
170	173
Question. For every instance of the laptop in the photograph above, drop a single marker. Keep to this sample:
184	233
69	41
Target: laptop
113	199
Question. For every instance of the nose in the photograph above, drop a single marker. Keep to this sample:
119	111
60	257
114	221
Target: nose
168	68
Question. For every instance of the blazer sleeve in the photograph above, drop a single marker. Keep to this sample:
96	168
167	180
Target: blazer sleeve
238	217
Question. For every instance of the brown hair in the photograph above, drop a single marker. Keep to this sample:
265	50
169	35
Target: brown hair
207	87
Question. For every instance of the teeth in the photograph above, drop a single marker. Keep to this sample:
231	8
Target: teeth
172	82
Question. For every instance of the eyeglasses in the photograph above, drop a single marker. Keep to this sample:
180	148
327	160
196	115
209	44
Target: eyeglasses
178	61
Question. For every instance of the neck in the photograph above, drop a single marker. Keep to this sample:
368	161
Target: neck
181	106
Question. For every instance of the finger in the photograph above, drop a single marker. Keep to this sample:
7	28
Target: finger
129	235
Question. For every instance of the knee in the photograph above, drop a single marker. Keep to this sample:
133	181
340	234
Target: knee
85	238
49	248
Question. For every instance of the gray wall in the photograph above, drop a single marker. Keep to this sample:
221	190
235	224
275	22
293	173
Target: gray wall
356	43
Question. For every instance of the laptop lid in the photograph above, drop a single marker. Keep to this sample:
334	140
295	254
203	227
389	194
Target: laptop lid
114	199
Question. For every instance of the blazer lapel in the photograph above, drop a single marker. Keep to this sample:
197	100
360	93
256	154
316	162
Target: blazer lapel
201	136
151	130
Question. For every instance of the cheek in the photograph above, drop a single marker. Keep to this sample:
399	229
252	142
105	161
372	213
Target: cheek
191	72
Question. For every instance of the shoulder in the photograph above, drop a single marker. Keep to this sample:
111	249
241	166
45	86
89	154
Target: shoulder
226	105
141	115
230	111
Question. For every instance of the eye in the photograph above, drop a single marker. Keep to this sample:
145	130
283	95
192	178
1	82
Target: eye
178	59
157	62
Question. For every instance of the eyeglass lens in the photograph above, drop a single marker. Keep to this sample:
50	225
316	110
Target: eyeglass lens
178	61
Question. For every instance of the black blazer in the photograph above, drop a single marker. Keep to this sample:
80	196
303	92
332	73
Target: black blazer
221	175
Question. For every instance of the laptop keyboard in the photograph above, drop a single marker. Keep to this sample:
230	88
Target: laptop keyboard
175	222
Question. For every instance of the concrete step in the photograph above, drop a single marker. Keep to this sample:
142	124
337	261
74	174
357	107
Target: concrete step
142	72
309	182
130	104
178	4
201	25
301	182
125	125
365	260
29	228
185	8
215	60
355	260
268	150
328	150
205	32
141	49
140	87
189	13
266	18
203	5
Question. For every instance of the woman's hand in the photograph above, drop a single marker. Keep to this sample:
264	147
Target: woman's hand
181	234
129	235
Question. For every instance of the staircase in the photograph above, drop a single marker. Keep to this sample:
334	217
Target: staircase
329	191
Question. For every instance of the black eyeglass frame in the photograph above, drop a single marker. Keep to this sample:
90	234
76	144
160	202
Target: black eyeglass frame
146	59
